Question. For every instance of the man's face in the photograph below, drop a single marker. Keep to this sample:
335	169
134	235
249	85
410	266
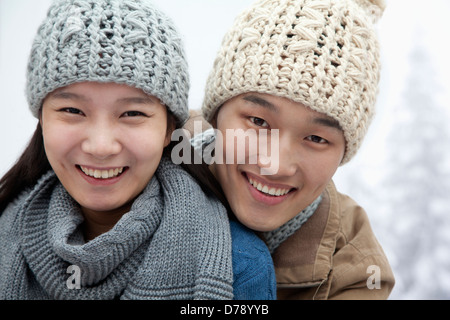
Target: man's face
309	148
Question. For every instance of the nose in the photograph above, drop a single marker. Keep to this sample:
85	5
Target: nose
280	159
288	162
101	141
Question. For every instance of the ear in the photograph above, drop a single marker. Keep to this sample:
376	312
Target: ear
171	126
40	116
214	119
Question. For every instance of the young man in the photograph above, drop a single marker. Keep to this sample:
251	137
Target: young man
304	74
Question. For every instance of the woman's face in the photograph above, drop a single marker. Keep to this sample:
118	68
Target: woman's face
306	154
104	141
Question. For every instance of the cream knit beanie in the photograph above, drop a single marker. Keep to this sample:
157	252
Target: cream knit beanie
123	41
321	53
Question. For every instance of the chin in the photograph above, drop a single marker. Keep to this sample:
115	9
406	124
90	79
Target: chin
258	223
101	207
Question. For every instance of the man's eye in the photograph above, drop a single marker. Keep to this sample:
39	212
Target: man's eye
134	114
259	122
316	139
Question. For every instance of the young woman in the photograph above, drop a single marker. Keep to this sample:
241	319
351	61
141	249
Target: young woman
95	208
304	74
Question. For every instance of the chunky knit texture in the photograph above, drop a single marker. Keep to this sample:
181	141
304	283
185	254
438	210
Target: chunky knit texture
121	41
323	54
173	244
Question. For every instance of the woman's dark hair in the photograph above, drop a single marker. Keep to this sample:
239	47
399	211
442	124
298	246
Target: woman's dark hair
33	163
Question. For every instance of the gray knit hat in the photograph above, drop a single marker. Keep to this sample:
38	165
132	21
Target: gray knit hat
122	41
321	53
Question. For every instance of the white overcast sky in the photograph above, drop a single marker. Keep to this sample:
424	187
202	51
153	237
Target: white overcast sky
203	24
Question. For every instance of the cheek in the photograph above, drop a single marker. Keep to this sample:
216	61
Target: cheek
319	174
146	144
58	142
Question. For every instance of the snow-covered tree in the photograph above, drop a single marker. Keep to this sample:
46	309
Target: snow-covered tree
416	190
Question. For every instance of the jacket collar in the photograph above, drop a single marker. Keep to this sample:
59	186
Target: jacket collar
305	258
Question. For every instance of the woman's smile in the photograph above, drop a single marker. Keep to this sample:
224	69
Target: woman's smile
101	176
102	173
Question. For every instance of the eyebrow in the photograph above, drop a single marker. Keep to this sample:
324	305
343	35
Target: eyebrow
324	121
68	96
75	96
261	102
137	100
328	122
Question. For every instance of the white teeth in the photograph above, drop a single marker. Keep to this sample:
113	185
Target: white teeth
265	189
102	174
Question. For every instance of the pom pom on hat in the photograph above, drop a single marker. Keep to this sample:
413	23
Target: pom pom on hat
323	54
374	8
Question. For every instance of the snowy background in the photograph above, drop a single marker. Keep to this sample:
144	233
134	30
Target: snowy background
401	174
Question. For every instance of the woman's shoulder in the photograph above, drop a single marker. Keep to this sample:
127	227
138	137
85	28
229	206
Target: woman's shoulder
11	214
14	206
10	219
172	175
195	205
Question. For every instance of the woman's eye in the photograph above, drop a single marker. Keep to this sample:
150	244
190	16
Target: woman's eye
72	110
134	114
316	139
259	122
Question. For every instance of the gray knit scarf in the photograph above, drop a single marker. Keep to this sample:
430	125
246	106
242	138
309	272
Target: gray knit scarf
173	244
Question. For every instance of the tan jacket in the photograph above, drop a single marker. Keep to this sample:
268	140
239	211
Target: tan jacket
333	255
